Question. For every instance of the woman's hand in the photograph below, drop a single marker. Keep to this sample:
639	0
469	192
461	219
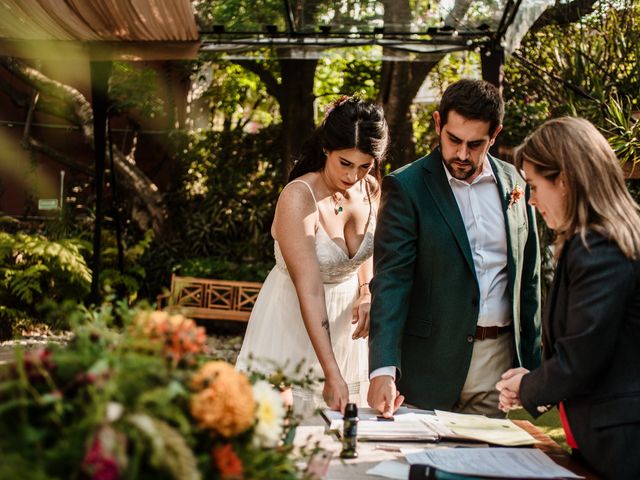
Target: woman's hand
509	388
335	393
360	313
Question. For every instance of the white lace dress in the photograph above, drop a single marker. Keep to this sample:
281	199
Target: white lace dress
276	334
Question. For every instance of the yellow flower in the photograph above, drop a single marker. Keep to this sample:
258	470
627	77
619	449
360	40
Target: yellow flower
223	399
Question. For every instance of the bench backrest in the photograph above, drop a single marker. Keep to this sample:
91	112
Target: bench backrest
214	299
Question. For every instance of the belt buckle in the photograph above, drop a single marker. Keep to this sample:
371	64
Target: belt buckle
481	333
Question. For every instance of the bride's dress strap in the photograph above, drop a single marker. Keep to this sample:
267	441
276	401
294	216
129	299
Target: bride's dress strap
308	186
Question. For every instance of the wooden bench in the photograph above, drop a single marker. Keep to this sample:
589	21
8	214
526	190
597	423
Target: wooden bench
210	299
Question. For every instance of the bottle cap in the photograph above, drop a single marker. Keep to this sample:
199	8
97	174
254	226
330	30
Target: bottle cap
351	410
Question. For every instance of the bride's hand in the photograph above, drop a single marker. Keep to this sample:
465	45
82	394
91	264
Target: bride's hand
336	393
360	313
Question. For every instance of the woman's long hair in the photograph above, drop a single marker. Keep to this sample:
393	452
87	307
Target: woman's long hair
597	197
349	123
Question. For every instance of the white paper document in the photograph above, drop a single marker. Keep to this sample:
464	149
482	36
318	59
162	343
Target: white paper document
496	431
493	462
406	426
390	469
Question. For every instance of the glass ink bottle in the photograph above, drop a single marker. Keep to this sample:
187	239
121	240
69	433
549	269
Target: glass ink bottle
350	431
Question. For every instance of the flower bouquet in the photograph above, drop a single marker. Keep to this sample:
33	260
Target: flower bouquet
140	402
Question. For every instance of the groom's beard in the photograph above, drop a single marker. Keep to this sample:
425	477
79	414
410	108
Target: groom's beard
461	169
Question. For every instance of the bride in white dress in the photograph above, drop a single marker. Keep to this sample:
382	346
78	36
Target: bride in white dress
314	304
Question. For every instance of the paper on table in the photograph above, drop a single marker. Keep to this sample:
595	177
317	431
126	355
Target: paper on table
493	462
390	469
491	430
407	426
366	413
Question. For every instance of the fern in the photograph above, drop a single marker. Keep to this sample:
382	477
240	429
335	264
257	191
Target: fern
32	267
25	284
63	255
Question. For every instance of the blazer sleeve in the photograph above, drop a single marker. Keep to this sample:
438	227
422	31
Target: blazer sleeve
600	284
394	264
530	295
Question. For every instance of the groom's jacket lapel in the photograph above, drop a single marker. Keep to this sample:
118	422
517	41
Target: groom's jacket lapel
436	182
506	182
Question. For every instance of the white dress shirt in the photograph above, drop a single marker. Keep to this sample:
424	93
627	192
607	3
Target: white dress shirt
481	209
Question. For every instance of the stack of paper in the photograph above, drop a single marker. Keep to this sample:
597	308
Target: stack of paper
492	462
490	430
407	427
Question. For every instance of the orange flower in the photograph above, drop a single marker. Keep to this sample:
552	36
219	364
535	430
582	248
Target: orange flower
227	462
516	194
180	337
223	400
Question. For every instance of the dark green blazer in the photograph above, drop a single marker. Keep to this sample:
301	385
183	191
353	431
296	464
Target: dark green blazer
425	294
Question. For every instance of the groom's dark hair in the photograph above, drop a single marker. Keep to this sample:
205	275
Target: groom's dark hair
475	100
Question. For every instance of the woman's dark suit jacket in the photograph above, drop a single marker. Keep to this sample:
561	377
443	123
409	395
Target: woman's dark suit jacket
591	354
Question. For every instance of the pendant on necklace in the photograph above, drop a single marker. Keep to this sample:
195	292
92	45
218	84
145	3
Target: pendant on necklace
337	204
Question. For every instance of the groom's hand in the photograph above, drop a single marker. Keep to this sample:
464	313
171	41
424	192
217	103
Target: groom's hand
383	395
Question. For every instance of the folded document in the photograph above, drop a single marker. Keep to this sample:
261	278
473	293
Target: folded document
410	425
497	431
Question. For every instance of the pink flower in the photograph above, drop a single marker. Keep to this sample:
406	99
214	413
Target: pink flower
37	363
516	194
99	465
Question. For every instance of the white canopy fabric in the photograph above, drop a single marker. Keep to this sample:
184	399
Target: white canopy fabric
526	16
99	30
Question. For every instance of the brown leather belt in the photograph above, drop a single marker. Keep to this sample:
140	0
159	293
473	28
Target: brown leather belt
491	332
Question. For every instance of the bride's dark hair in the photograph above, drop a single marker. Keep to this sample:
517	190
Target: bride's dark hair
349	123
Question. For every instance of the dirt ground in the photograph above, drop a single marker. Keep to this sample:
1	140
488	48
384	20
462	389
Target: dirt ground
224	344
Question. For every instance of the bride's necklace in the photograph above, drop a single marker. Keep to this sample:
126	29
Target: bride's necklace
337	198
337	202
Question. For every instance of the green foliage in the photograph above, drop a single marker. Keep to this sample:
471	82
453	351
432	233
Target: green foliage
624	131
215	267
43	278
115	400
34	268
346	71
126	283
589	69
221	208
132	88
424	128
241	15
232	96
522	116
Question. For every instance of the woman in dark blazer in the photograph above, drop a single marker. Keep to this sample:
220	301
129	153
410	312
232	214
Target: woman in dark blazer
591	320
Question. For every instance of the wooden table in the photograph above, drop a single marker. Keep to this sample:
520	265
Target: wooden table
370	454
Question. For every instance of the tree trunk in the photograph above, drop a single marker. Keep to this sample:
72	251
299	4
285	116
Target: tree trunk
401	81
63	101
296	107
294	94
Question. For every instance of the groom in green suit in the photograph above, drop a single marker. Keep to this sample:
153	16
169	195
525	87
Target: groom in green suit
456	287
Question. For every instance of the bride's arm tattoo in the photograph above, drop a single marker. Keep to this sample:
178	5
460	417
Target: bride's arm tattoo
325	325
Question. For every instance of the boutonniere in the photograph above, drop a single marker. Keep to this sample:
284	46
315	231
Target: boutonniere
516	194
